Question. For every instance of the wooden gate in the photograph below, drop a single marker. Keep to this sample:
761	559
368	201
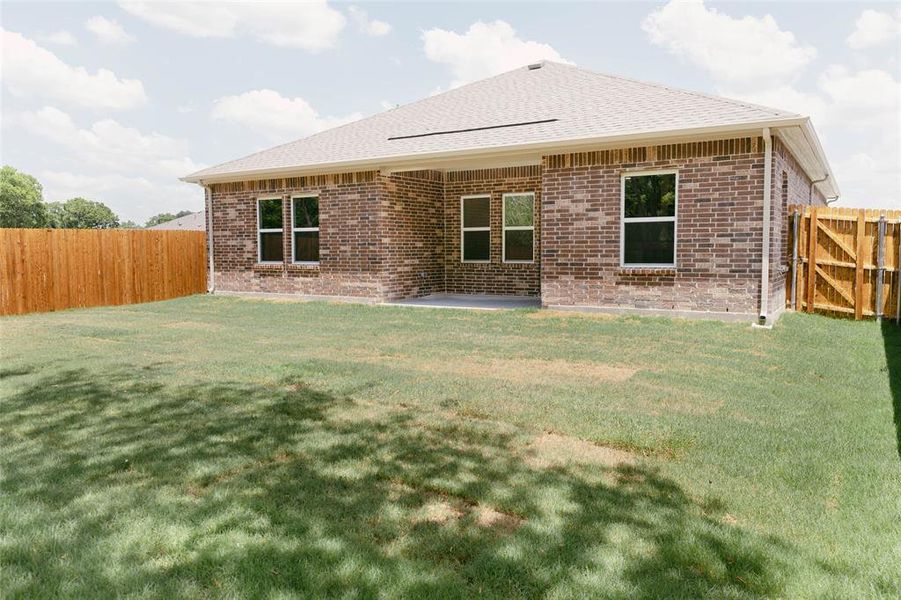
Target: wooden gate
844	261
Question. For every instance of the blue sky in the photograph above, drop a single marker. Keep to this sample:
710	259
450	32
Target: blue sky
115	101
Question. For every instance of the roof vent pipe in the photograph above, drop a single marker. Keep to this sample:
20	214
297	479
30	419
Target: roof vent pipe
535	66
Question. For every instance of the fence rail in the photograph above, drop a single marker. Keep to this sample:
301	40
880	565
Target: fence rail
845	261
52	269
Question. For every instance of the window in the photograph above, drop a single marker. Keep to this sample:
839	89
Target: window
271	232
305	229
648	235
476	230
519	227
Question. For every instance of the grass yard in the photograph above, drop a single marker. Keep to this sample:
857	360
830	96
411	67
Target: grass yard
223	447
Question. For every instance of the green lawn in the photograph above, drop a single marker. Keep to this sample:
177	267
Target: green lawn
222	447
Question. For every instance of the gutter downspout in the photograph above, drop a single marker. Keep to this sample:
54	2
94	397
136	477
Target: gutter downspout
813	182
767	196
208	200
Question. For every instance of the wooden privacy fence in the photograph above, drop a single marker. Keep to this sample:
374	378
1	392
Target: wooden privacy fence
53	269
844	261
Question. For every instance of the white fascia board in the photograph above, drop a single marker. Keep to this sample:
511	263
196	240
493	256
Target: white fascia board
803	143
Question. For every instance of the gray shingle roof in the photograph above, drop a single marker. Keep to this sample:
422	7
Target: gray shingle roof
193	222
559	102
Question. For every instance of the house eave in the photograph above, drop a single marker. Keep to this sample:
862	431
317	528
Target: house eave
519	152
804	144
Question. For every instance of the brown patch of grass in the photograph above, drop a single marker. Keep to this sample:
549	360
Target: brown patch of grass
552	450
572	314
677	400
229	474
486	516
443	508
192	325
527	370
473	414
516	370
436	511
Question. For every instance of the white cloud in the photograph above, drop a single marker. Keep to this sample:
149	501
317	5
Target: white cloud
108	31
871	179
746	52
874	28
372	27
131	197
784	97
857	112
485	49
312	25
869	97
60	38
30	70
271	114
111	145
858	115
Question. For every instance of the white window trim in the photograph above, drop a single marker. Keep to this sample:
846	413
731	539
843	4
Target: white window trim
262	231
301	229
465	229
623	220
505	228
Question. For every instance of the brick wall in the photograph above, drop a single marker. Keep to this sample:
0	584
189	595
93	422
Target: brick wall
394	236
719	226
352	257
413	233
495	277
790	186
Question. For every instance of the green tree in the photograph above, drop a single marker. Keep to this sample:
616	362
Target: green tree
21	200
129	225
80	213
164	217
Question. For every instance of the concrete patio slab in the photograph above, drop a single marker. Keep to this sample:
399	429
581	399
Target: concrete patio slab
474	302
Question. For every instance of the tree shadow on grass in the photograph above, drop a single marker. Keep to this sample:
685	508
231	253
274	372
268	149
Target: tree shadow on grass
117	483
891	336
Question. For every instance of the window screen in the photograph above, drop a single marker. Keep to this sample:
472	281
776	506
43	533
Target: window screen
305	229
270	230
649	220
519	227
476	232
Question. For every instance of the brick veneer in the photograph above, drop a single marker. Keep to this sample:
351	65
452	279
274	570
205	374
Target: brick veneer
397	235
790	186
718	229
412	232
494	277
352	257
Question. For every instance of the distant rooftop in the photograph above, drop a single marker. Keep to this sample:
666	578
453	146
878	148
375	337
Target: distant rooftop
193	222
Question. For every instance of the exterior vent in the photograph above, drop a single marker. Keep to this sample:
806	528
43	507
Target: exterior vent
535	66
419	135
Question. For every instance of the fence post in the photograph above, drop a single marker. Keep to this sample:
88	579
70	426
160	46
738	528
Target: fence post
880	267
858	259
897	277
812	259
794	288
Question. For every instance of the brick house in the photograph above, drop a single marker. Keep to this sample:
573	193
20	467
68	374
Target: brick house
549	181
